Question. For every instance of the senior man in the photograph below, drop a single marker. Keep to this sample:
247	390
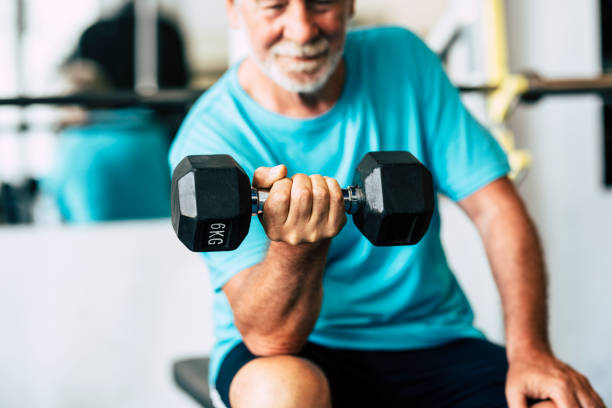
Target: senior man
307	312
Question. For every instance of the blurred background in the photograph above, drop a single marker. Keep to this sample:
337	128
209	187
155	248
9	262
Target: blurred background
97	296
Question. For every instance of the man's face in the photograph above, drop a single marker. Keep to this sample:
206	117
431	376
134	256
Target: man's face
297	43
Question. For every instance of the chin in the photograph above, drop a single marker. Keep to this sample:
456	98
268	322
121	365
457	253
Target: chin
300	86
307	82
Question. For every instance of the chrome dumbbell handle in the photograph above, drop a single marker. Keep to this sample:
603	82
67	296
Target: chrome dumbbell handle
353	199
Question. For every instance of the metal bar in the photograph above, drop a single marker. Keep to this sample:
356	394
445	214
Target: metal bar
178	99
353	199
145	46
19	41
601	85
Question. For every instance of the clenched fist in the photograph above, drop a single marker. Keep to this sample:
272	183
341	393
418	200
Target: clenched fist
300	209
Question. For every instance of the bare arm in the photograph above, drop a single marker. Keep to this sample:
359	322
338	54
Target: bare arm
514	253
277	302
515	256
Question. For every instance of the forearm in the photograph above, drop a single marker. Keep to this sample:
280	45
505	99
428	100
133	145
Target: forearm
516	259
515	255
279	299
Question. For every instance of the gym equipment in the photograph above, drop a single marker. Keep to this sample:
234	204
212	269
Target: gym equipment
165	100
391	200
535	88
191	375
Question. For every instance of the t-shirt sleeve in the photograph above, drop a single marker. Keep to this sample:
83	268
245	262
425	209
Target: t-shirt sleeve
198	137
462	155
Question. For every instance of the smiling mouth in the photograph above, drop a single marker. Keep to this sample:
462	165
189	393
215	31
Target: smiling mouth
303	58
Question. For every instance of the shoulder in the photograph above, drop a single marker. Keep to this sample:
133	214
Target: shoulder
386	40
388	60
389	52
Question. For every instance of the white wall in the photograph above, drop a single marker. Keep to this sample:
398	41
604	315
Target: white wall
564	189
94	316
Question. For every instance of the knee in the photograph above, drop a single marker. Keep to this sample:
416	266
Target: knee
280	381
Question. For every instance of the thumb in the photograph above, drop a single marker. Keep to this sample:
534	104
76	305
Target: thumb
264	177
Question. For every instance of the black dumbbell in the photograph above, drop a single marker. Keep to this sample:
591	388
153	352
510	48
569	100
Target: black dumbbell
391	200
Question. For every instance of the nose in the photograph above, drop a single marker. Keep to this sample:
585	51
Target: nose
300	26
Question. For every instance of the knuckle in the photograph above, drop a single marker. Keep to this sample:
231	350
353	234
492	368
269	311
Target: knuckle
337	199
272	234
317	178
560	386
301	193
335	191
330	233
312	238
300	177
277	200
283	183
319	193
292	239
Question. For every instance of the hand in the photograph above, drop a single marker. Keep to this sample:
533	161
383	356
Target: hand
303	209
539	375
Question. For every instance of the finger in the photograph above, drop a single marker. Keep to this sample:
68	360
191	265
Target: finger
301	201
516	399
588	393
320	201
563	398
586	400
337	213
276	208
264	177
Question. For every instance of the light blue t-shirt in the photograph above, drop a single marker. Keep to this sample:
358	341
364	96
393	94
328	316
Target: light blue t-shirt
396	97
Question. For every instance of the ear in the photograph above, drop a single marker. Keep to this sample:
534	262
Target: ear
351	7
233	13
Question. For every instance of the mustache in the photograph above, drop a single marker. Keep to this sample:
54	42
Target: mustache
312	49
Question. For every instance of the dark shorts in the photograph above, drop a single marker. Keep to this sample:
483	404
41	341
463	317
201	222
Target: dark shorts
467	373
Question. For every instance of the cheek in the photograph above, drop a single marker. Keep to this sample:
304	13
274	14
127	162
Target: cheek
334	27
262	34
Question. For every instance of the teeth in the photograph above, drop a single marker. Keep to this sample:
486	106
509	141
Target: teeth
289	49
299	55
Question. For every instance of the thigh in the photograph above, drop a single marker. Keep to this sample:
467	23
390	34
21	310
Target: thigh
468	373
464	373
349	382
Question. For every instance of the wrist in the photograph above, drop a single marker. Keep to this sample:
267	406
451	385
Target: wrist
307	256
299	250
527	348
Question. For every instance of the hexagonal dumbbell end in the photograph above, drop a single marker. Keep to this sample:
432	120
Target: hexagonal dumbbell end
211	203
399	198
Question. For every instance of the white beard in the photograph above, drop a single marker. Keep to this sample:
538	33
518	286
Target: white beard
313	82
